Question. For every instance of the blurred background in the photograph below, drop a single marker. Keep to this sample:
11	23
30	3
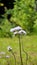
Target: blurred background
18	13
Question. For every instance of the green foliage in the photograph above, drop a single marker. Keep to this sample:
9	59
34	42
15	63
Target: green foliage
5	27
29	45
23	14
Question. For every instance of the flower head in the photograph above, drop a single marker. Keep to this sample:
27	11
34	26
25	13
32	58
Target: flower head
9	48
22	32
15	29
7	56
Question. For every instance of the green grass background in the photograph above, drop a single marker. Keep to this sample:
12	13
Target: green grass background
29	45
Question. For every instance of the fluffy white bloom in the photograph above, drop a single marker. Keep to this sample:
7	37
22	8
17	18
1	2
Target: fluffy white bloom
15	29
9	48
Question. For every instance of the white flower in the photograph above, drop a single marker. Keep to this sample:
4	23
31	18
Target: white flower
15	29
22	32
2	52
7	56
9	48
18	30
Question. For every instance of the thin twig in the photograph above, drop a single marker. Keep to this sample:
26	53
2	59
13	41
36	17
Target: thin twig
14	56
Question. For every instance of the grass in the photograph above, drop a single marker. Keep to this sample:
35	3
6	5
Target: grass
29	45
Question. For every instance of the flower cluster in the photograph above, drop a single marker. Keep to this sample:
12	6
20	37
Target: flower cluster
18	30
